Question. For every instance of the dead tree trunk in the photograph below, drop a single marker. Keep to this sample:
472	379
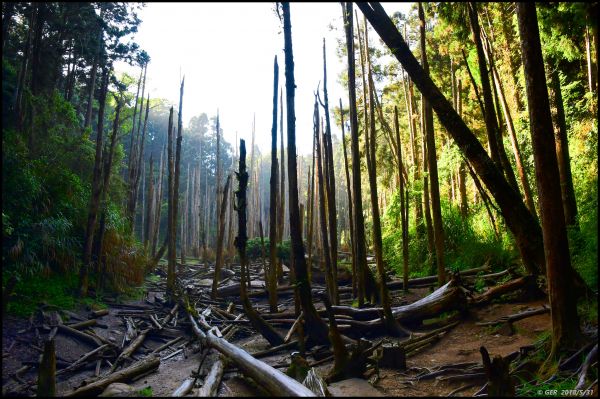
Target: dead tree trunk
240	242
221	235
314	326
330	184
350	215
273	204
170	219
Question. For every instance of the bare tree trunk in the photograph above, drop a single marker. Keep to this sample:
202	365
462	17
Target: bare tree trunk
163	163
359	222
271	278
315	328
221	234
175	201
350	215
462	177
563	302
403	208
438	227
150	202
240	242
171	256
329	276
132	138
330	185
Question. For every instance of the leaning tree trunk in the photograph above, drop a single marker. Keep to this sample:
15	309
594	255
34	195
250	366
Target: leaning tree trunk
315	328
563	302
519	220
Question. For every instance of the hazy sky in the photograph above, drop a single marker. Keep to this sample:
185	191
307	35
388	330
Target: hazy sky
226	50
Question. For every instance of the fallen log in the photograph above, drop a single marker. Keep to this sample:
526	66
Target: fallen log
83	324
127	352
144	366
589	359
100	313
213	379
184	388
526	282
79	334
83	359
447	297
272	380
515	317
166	345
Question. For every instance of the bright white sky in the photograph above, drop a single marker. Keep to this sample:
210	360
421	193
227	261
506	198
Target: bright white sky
225	50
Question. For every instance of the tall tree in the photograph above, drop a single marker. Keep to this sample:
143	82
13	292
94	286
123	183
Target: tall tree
438	227
563	303
315	328
171	256
273	205
331	208
518	219
359	222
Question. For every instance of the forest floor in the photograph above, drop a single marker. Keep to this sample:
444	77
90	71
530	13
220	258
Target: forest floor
22	345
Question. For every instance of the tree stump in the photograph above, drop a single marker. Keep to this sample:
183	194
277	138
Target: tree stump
392	356
497	373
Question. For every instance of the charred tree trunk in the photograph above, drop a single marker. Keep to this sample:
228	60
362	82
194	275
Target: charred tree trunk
240	242
314	326
563	303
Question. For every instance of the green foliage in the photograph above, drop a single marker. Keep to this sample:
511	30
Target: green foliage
254	249
543	389
147	391
54	290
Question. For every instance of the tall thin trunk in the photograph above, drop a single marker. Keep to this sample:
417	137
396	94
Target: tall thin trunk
562	152
132	138
426	197
271	278
330	184
438	227
221	234
314	326
158	206
371	146
462	177
518	219
359	221
403	208
255	319
563	303
515	145
491	122
281	202
170	219
96	183
140	157
149	226
350	215
177	165
329	277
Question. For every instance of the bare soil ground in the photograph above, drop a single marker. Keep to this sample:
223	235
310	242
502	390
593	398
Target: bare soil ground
460	344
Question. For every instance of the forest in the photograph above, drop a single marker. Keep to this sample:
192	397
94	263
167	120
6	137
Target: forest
443	244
